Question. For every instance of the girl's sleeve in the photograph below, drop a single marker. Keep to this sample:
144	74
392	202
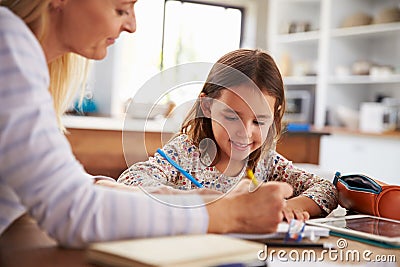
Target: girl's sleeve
41	174
157	171
304	183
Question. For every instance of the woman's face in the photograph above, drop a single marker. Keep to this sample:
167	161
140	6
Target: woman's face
241	118
87	27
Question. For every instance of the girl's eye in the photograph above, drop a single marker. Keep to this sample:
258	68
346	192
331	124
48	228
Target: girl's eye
259	122
230	118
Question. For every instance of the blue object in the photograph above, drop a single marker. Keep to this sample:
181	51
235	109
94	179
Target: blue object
363	183
296	230
179	168
298	127
87	106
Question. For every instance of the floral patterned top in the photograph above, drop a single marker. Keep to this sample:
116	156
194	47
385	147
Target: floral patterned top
272	167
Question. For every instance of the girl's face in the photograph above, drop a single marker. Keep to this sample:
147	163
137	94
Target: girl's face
241	118
87	27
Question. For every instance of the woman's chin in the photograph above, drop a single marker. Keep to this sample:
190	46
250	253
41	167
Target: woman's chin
98	54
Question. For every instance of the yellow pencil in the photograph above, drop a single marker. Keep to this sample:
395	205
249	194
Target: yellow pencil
251	176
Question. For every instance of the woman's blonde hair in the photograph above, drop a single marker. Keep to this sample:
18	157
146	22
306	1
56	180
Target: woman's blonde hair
253	64
68	72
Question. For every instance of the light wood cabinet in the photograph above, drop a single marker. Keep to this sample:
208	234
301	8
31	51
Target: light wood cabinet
102	152
300	147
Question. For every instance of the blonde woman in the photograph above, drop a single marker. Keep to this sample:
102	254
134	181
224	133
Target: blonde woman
40	41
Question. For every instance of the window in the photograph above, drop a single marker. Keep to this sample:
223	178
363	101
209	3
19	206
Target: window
169	32
195	31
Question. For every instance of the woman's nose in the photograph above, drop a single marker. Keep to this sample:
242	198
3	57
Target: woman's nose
130	24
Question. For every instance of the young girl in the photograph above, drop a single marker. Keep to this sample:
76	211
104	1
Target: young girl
231	128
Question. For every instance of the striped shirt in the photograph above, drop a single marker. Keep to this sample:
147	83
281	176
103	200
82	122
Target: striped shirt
39	174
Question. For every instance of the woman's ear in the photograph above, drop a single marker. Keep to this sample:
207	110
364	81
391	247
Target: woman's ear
205	105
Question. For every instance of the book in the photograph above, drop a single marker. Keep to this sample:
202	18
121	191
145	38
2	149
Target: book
183	250
280	233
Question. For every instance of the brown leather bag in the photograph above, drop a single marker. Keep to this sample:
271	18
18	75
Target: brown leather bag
363	194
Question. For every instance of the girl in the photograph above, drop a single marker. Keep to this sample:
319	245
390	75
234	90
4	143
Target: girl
40	41
233	126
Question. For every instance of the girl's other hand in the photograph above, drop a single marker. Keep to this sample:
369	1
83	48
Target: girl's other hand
114	184
172	191
205	191
161	189
290	213
301	208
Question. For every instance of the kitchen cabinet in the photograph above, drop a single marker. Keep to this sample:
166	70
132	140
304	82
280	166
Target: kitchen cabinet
353	153
301	147
313	50
101	151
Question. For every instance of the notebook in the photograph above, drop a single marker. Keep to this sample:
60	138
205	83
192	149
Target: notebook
184	250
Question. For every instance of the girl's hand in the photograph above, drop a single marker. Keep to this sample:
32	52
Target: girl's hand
161	189
290	213
205	191
116	185
301	208
172	191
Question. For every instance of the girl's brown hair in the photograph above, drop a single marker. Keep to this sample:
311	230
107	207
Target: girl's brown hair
253	64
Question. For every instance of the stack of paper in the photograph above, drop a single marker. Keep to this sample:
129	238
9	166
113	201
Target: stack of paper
283	228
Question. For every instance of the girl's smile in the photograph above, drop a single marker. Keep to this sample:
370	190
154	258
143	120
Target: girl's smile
241	117
241	146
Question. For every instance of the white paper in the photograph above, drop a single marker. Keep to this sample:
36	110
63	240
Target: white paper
283	227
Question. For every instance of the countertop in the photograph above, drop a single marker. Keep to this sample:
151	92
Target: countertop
120	123
170	126
356	132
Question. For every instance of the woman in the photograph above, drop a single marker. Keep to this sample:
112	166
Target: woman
40	41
